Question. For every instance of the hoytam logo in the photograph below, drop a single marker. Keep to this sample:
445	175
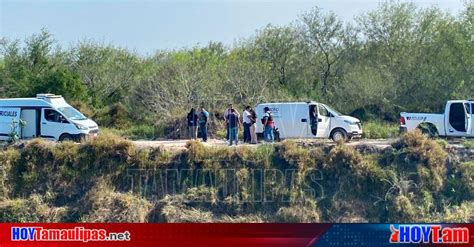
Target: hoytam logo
435	234
71	234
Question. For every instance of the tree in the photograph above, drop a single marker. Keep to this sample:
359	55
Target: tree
324	35
38	67
109	73
276	46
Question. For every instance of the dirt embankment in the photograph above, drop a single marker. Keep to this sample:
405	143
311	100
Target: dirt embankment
110	179
455	148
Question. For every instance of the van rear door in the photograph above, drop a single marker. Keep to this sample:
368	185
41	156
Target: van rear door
7	117
30	118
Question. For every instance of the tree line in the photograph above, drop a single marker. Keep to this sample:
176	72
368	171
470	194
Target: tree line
398	57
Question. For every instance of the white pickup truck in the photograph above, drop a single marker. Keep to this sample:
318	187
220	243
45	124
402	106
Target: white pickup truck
457	120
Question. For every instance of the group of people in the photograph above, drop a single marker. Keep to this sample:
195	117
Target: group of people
233	120
196	119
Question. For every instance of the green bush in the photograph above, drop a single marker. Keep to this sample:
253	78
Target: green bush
379	130
469	144
134	132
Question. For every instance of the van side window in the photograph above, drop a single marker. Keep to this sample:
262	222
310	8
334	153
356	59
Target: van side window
323	111
51	115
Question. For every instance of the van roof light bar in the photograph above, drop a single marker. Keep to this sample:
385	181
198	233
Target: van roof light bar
47	95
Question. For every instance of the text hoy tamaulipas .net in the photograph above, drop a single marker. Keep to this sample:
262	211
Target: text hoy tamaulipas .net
66	234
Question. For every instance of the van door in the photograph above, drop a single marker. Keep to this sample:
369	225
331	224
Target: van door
324	122
469	117
472	118
29	130
313	121
457	120
51	124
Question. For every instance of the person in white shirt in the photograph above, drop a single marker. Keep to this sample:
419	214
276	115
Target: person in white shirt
247	123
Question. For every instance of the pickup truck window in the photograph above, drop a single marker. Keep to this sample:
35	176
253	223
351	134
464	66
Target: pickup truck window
468	108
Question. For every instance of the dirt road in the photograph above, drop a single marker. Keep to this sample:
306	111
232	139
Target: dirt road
376	143
181	144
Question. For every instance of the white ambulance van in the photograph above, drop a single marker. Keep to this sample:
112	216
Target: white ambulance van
47	116
309	120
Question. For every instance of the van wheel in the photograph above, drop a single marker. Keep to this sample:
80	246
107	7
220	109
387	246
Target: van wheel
65	138
339	135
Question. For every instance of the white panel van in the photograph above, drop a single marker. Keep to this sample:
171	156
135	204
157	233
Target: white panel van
309	120
47	116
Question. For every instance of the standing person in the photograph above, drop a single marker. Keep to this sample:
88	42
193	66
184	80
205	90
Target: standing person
226	114
247	122
268	125
252	129
192	123
233	127
203	119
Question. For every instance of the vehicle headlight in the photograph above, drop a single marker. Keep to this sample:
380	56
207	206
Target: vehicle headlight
81	127
350	123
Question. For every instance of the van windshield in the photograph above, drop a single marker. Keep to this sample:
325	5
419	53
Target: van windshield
332	111
71	113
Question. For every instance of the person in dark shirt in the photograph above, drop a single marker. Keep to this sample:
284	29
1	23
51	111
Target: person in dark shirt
203	119
252	129
192	123
234	123
268	125
226	115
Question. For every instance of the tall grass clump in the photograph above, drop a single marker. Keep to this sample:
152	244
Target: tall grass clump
103	204
31	209
417	153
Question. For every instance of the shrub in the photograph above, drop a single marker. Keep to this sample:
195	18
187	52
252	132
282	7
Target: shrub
297	214
8	158
32	209
134	132
380	130
463	213
416	152
115	115
461	182
401	209
292	154
468	144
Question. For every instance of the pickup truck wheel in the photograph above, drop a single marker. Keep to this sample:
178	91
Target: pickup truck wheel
428	130
339	135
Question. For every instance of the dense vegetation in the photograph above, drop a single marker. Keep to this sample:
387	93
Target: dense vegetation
395	58
109	179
